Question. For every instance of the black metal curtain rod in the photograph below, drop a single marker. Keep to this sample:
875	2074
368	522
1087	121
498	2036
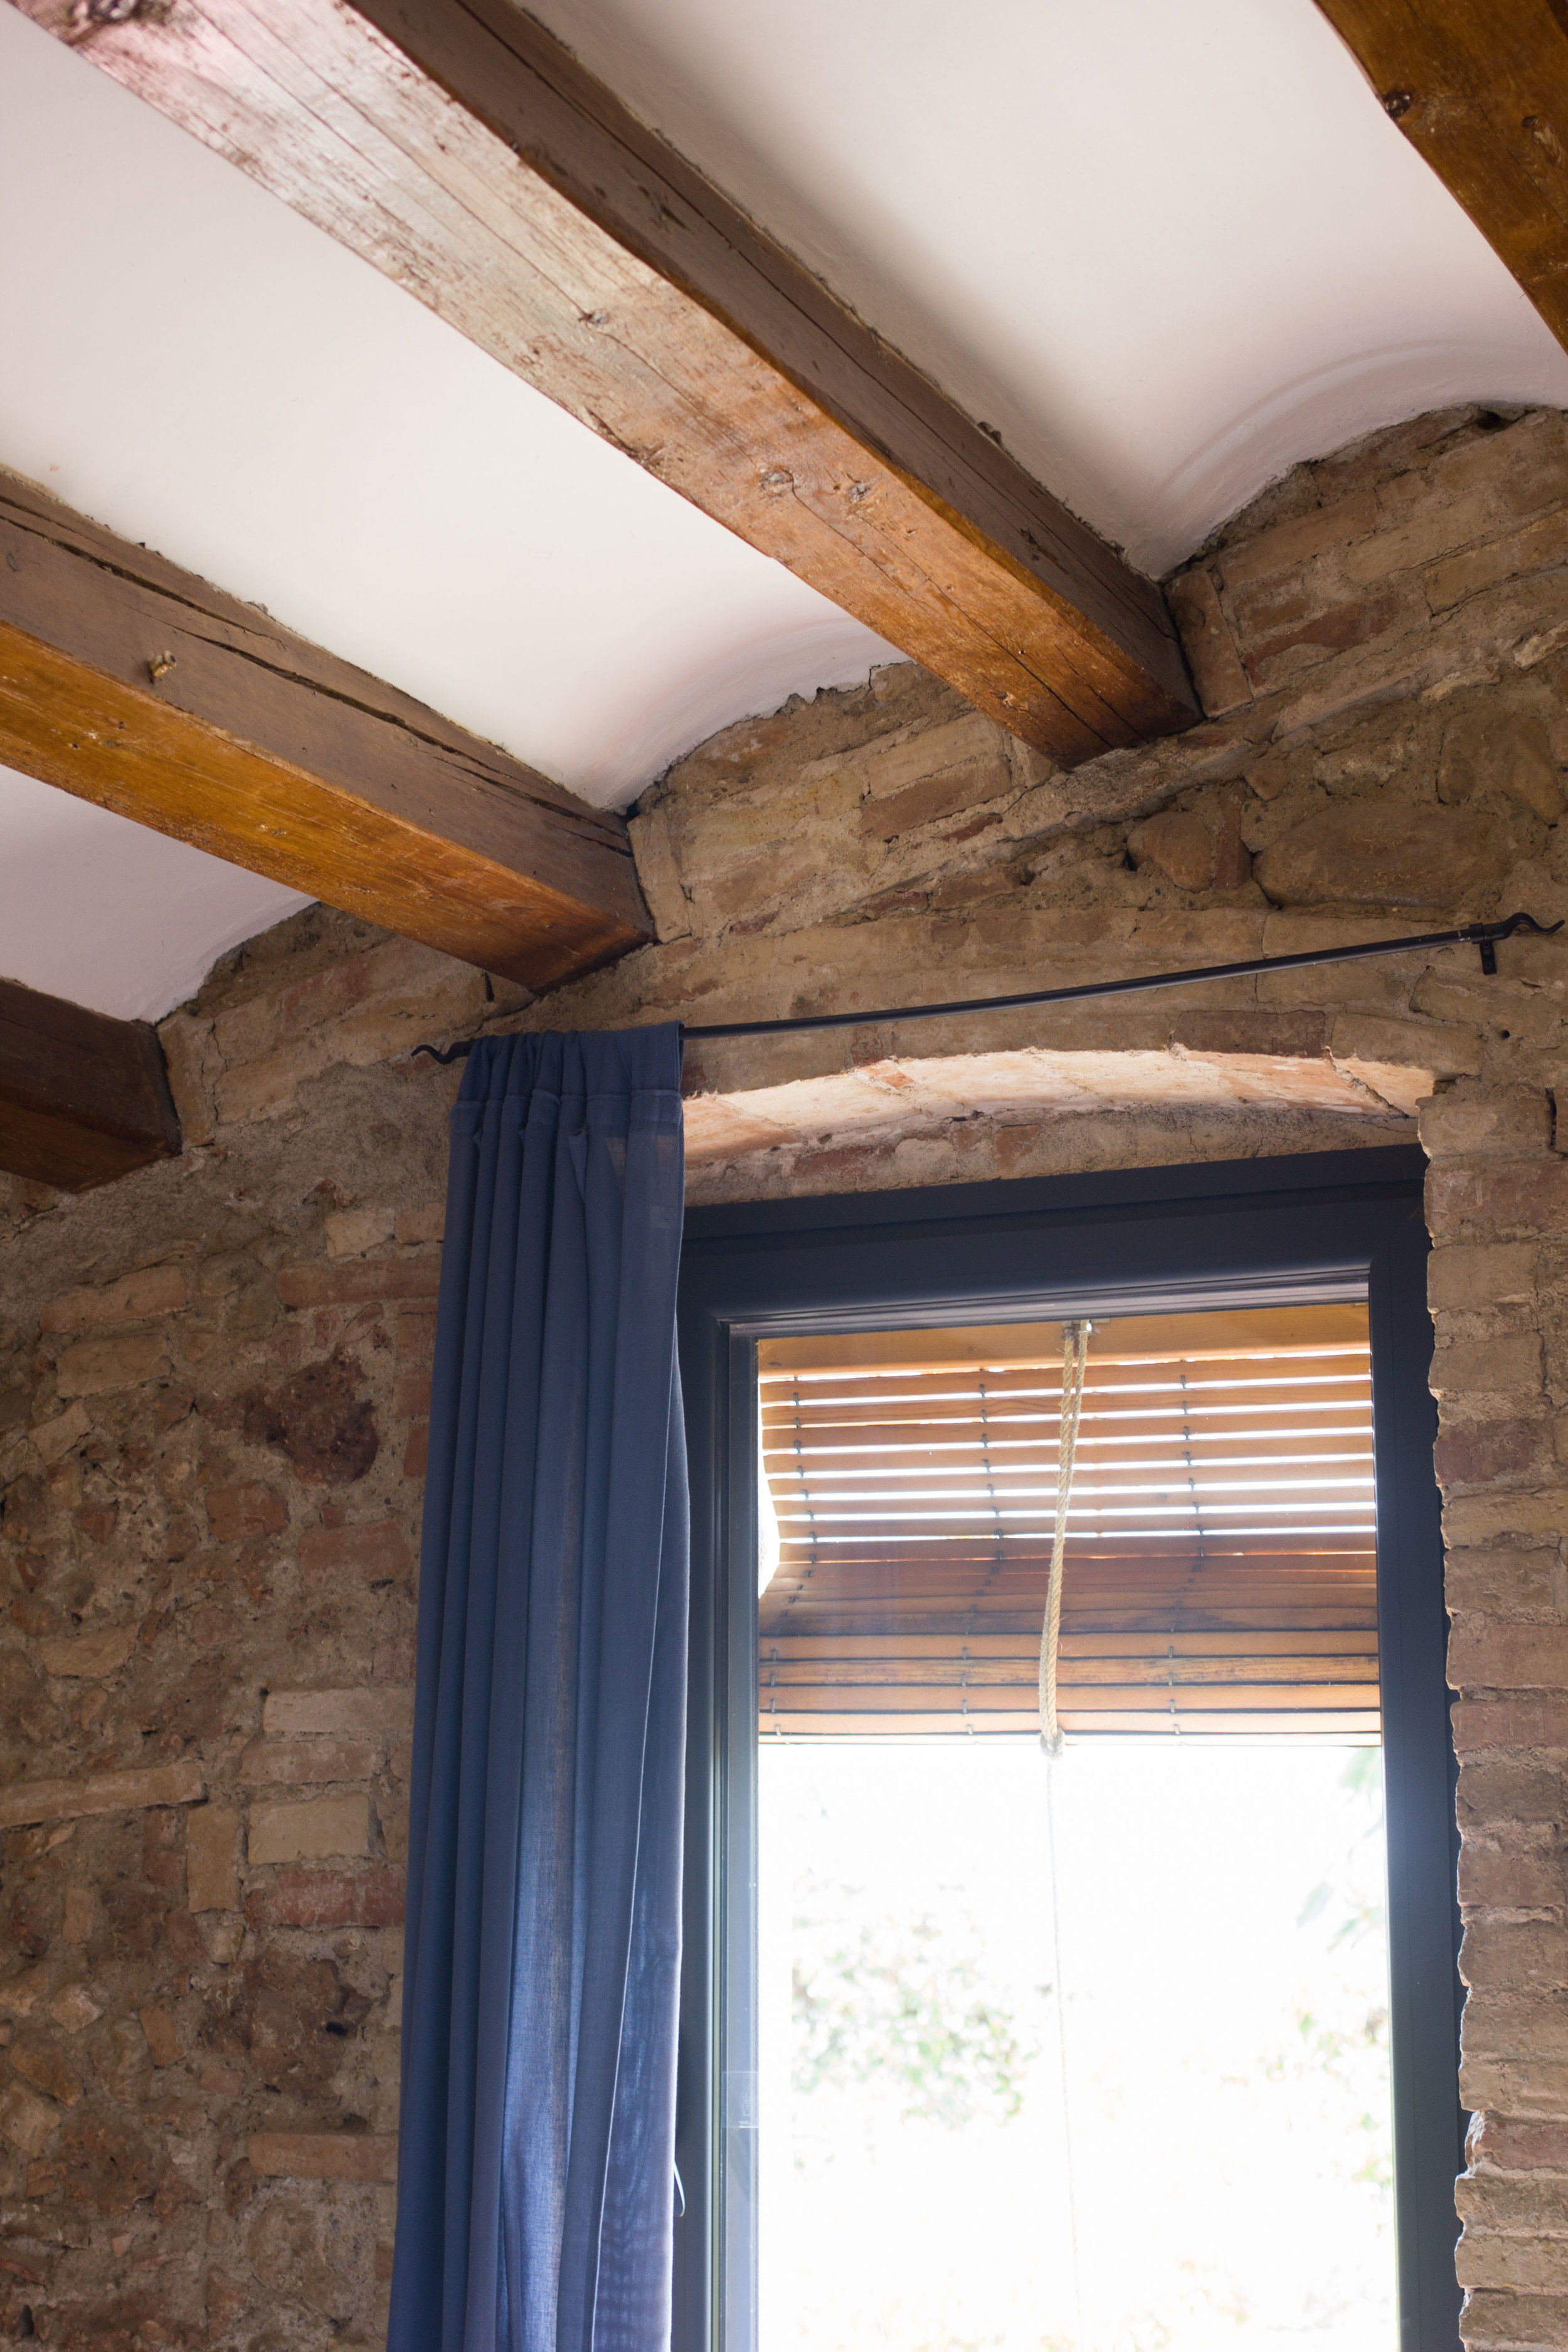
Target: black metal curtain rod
1484	936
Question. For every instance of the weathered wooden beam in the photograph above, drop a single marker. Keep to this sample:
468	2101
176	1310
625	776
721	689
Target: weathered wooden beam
131	683
461	149
83	1097
1480	88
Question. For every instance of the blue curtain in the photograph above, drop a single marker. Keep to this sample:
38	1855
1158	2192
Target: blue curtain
536	2164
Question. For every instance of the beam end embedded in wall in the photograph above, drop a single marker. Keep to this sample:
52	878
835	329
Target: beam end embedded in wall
460	149
134	685
83	1097
1482	93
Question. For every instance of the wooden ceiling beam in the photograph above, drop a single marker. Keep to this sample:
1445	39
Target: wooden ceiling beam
461	149
135	685
1480	88
83	1097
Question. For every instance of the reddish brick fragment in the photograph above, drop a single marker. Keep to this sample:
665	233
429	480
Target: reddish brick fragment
375	1553
328	1898
355	1279
248	1509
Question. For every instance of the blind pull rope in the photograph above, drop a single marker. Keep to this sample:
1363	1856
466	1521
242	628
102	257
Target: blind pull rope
1074	1358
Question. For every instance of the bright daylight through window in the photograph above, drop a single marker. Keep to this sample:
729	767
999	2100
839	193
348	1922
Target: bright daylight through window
1091	2052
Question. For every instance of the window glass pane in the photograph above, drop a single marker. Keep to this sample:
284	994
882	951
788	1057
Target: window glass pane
1091	2054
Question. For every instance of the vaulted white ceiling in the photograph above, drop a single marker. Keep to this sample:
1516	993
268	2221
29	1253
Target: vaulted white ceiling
1165	251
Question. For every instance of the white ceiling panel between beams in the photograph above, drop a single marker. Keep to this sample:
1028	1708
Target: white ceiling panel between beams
1166	251
191	365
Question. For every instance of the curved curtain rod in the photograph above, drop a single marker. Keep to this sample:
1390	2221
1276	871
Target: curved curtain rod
1484	936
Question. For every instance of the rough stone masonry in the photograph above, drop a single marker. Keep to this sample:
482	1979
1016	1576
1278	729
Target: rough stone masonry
214	1374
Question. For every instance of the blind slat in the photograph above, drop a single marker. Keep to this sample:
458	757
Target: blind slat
1221	1566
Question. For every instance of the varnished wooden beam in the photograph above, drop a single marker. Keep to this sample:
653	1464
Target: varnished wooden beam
1480	88
456	145
83	1097
133	684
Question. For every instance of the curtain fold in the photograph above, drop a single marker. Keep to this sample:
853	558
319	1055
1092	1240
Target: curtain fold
536	2157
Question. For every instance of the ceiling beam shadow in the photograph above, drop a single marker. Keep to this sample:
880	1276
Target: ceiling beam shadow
461	149
138	687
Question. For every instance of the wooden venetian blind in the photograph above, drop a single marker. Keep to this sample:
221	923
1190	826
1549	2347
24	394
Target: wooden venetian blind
1221	1565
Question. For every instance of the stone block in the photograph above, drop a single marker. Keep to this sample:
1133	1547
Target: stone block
297	1762
158	2025
1497	1199
1519	1516
1522	1954
1337	523
1490	747
211	1877
1206	640
97	1366
350	1284
411	1396
1434	529
1507	1122
56	1437
324	2155
1507	1580
910	754
1517	2028
1485	2259
1482	1725
1384	853
180	1783
341	1558
416	1336
134	1298
73	2009
1515	2323
1508	1657
1433	1049
43	2065
352	1231
363	1713
659	871
1331	625
1503	2144
317	1829
1178	844
251	1509
1494	1452
328	1898
1502	1366
88	1656
1540	545
1480	1276
1508	1878
425	1224
192	1061
27	2122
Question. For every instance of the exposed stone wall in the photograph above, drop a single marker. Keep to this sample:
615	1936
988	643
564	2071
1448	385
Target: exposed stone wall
1383	641
211	1374
212	1396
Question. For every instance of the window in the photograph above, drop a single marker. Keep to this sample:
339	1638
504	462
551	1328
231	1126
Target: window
869	1809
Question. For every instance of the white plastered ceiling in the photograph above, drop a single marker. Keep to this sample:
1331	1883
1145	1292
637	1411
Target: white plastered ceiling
1165	251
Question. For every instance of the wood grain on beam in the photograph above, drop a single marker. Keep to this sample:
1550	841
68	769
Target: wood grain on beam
83	1097
1480	88
458	146
133	684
